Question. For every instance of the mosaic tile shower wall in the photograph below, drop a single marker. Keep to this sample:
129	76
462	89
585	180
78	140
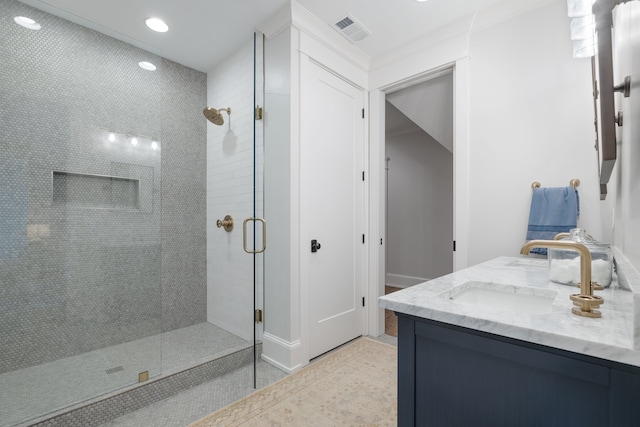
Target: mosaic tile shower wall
115	251
184	157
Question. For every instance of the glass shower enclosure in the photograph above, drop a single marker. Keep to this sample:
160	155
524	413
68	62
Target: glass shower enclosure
113	273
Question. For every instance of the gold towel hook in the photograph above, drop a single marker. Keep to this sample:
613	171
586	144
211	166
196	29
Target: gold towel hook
534	185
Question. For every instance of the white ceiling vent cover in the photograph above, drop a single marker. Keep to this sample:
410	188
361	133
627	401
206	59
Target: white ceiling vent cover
352	29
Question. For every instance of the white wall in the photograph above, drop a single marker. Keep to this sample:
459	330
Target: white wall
531	119
281	338
625	182
278	182
420	207
230	191
522	113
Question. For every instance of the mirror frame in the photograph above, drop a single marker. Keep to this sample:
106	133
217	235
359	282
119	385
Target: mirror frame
603	90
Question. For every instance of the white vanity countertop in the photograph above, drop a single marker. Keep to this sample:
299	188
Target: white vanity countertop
610	337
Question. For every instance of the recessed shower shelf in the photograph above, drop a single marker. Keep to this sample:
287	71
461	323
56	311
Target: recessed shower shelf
91	191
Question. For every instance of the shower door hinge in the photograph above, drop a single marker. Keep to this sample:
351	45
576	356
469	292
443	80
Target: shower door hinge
258	112
258	316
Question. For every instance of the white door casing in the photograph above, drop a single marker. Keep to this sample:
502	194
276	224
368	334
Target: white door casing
332	194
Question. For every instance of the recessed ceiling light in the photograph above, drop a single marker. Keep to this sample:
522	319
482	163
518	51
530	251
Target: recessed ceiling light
147	65
27	22
157	24
134	141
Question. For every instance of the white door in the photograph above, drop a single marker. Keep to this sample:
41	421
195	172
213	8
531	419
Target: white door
332	198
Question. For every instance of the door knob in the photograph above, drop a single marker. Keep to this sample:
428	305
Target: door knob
315	246
226	223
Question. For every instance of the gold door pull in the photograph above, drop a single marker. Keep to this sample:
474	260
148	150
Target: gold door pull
227	223
264	235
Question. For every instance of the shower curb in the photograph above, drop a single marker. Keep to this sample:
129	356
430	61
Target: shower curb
114	406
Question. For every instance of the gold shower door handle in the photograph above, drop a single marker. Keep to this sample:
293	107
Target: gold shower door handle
264	236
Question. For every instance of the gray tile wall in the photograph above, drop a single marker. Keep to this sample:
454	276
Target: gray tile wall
184	130
75	279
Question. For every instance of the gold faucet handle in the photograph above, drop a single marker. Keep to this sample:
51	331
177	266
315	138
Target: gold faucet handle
585	305
595	286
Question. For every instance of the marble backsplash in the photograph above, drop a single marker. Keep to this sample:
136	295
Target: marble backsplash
629	278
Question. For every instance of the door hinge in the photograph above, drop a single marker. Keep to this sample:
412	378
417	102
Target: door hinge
363	175
363	238
454	246
363	113
258	112
363	301
258	316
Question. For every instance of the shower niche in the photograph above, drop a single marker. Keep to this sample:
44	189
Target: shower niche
95	191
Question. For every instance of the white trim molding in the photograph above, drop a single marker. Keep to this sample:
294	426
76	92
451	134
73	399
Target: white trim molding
281	353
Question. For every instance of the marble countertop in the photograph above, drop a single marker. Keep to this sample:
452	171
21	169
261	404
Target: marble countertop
610	337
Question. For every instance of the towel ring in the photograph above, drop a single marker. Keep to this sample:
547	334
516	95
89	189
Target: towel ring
575	183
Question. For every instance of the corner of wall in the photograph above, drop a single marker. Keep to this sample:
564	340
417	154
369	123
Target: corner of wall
276	23
285	355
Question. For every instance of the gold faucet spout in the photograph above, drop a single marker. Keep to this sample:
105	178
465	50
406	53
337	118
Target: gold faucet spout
586	301
585	258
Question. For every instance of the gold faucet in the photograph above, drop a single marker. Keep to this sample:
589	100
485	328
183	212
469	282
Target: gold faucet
585	301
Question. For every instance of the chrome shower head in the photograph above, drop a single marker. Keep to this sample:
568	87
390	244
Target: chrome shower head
214	115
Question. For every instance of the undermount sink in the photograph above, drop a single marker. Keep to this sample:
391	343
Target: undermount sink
508	297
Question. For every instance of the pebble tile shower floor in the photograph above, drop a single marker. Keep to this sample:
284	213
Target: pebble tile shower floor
31	392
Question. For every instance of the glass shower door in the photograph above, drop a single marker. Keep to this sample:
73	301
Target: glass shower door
259	224
234	192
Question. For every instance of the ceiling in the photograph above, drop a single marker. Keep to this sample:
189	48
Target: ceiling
204	32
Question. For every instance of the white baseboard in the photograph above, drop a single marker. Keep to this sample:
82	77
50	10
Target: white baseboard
281	353
402	281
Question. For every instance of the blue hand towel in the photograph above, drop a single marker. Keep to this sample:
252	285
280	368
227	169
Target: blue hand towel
553	210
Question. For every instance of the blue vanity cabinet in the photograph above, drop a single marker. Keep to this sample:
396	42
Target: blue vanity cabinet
450	376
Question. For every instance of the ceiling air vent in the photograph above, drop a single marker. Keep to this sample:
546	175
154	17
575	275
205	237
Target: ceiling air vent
352	29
